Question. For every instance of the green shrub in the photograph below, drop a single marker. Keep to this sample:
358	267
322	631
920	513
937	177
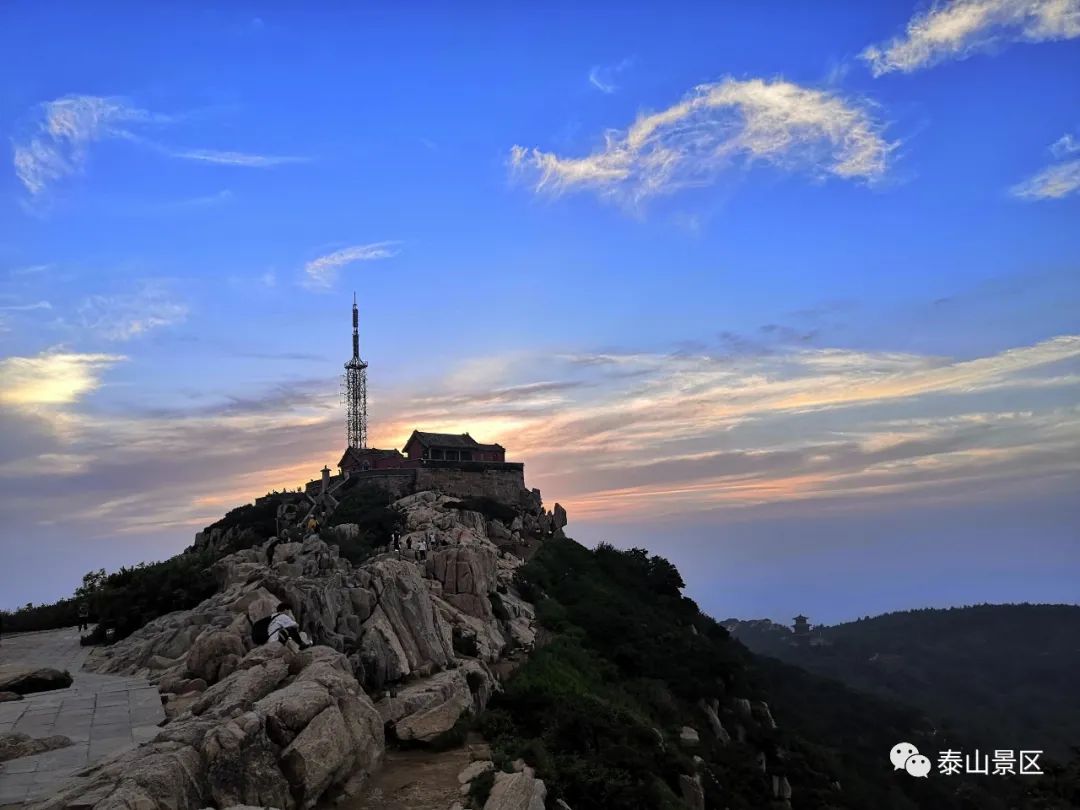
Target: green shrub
260	519
63	613
126	600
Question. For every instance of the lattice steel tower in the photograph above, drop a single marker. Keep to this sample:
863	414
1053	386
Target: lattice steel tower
356	388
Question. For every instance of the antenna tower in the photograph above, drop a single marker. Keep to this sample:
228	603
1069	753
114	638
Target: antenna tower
356	389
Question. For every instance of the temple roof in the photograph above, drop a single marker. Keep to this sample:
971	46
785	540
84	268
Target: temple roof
459	440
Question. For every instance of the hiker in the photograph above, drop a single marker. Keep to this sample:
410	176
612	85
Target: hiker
84	616
395	544
421	550
408	545
313	525
270	548
283	628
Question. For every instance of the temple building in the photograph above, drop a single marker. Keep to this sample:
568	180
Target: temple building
420	449
452	447
452	463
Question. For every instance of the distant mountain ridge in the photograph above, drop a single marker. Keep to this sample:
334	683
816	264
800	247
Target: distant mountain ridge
1001	676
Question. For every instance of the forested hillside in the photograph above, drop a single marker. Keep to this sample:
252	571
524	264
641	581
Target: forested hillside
1003	676
628	662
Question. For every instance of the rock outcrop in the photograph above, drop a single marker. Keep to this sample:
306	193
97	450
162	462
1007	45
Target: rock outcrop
404	647
517	791
281	730
25	681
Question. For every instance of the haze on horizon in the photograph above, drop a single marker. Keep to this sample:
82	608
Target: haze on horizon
788	296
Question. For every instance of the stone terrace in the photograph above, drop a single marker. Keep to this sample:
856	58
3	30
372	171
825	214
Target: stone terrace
101	714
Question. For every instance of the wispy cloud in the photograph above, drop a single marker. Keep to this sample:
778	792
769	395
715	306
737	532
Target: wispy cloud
52	378
691	431
235	158
602	77
1057	180
960	28
715	128
1052	183
1065	145
618	435
31	270
322	272
56	140
124	316
26	307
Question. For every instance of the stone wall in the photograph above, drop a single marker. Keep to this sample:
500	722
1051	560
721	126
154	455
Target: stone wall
395	483
503	482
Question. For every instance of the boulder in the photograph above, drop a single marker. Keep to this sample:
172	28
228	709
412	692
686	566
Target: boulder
422	711
26	680
318	753
467	576
714	723
241	765
559	516
14	744
781	788
693	794
742	708
760	710
475	769
516	791
281	731
688	736
215	655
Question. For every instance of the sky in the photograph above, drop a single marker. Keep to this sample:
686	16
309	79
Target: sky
787	293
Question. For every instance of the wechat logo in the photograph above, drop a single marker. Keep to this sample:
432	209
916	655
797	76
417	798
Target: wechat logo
906	757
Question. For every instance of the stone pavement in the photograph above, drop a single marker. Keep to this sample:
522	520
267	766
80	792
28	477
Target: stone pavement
102	714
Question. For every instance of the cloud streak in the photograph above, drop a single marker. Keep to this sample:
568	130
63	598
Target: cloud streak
1056	181
124	316
602	77
56	141
321	273
714	129
960	28
235	158
617	436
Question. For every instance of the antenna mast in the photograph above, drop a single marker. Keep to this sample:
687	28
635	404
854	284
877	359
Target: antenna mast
356	388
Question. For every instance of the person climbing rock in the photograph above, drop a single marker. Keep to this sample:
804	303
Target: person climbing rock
313	525
283	628
421	550
84	616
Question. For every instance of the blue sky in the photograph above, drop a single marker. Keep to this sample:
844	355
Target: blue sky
785	294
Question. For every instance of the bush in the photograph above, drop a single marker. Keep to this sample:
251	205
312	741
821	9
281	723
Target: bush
260	518
64	613
371	510
129	598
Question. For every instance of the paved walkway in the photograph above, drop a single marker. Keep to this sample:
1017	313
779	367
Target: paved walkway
102	714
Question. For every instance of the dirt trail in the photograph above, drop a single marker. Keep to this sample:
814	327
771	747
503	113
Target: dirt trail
416	780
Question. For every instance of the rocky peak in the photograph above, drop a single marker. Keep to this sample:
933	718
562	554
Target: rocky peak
405	647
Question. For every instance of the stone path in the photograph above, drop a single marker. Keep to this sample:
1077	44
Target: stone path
101	714
414	780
